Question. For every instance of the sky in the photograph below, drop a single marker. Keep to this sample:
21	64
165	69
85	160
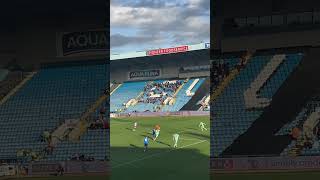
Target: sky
139	25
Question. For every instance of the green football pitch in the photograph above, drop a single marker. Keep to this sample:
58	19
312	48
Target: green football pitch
189	161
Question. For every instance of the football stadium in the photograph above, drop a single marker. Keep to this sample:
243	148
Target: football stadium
54	110
159	108
264	91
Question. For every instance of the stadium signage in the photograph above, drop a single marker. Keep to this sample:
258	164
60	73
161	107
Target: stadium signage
74	167
167	50
76	42
265	163
144	74
46	168
7	170
157	114
71	167
195	68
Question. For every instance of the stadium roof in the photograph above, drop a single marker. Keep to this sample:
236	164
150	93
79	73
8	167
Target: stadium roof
160	51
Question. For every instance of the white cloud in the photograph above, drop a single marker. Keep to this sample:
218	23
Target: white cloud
140	17
168	22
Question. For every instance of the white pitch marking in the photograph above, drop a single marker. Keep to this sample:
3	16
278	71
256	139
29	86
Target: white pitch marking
190	139
115	124
181	132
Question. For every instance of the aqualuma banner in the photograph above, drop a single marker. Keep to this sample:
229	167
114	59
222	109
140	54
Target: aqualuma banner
144	74
82	42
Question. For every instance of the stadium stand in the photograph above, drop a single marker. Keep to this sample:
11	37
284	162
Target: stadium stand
265	116
240	103
200	100
304	130
44	103
124	93
158	95
161	83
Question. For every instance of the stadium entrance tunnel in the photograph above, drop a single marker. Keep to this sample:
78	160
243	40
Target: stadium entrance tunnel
287	102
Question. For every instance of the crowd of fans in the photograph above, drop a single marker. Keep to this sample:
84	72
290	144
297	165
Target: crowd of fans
218	72
59	170
241	64
45	136
81	157
307	139
101	122
164	90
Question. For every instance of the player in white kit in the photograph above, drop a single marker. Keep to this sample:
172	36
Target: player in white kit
135	126
202	126
175	139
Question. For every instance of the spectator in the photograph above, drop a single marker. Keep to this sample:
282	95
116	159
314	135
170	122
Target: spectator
46	136
49	149
60	170
106	124
219	71
102	110
82	157
75	157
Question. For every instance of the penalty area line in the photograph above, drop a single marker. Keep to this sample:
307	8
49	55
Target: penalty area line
189	139
156	154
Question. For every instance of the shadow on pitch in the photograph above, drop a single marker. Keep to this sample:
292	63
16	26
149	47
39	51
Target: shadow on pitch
134	146
129	129
158	163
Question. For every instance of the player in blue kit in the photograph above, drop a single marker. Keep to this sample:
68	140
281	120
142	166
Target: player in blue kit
146	143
